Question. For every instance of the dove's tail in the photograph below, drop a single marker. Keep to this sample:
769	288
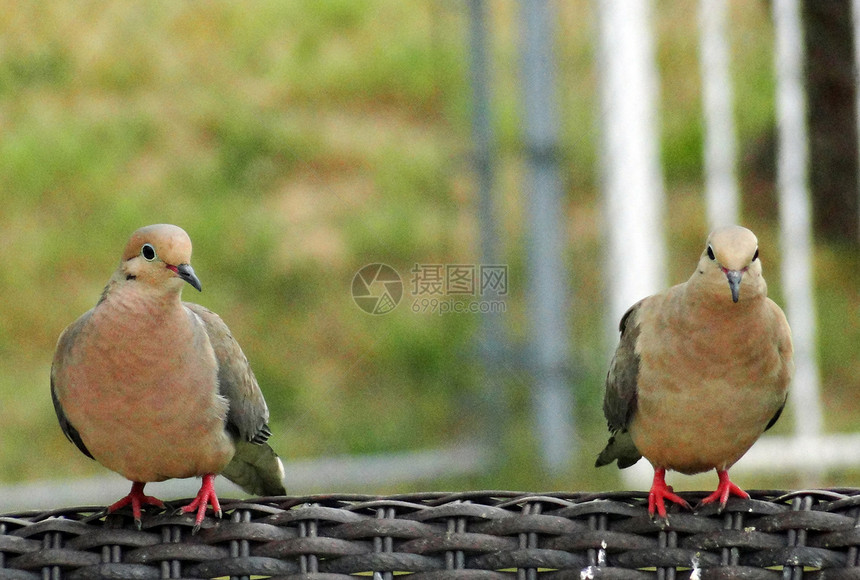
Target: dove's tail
621	448
256	469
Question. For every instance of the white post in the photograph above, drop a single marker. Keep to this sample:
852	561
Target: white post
721	192
795	216
630	156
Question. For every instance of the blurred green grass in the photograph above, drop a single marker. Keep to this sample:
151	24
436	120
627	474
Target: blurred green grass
297	142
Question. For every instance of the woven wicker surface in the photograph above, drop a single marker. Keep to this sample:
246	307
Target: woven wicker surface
480	535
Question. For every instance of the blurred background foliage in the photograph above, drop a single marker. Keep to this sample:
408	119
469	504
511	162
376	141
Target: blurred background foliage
298	141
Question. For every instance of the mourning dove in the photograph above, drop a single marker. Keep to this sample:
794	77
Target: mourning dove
155	388
701	371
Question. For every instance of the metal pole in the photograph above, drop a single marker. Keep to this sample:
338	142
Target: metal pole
855	20
549	297
491	344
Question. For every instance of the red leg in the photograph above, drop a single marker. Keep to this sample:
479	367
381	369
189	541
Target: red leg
661	492
724	490
205	496
137	499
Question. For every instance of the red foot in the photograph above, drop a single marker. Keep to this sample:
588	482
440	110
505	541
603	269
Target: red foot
137	499
660	492
205	496
724	490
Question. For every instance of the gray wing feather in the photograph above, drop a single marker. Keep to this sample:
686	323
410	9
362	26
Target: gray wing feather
619	402
248	413
620	398
776	416
64	345
255	467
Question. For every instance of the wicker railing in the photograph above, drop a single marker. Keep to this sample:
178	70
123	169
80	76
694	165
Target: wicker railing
480	535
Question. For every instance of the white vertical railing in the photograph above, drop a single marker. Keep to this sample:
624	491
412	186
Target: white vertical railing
795	215
721	191
807	451
630	156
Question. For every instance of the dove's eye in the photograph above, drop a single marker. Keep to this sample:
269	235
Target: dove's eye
755	256
148	252
711	253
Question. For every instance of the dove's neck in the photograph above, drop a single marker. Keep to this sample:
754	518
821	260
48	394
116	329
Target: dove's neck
711	292
139	297
137	310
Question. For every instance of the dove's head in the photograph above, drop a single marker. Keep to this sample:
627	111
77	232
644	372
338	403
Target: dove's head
159	256
730	262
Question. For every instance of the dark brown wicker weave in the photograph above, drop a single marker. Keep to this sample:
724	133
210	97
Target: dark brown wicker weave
480	535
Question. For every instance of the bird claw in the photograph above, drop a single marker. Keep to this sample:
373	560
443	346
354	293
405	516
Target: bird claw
724	489
205	497
656	502
660	492
136	499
